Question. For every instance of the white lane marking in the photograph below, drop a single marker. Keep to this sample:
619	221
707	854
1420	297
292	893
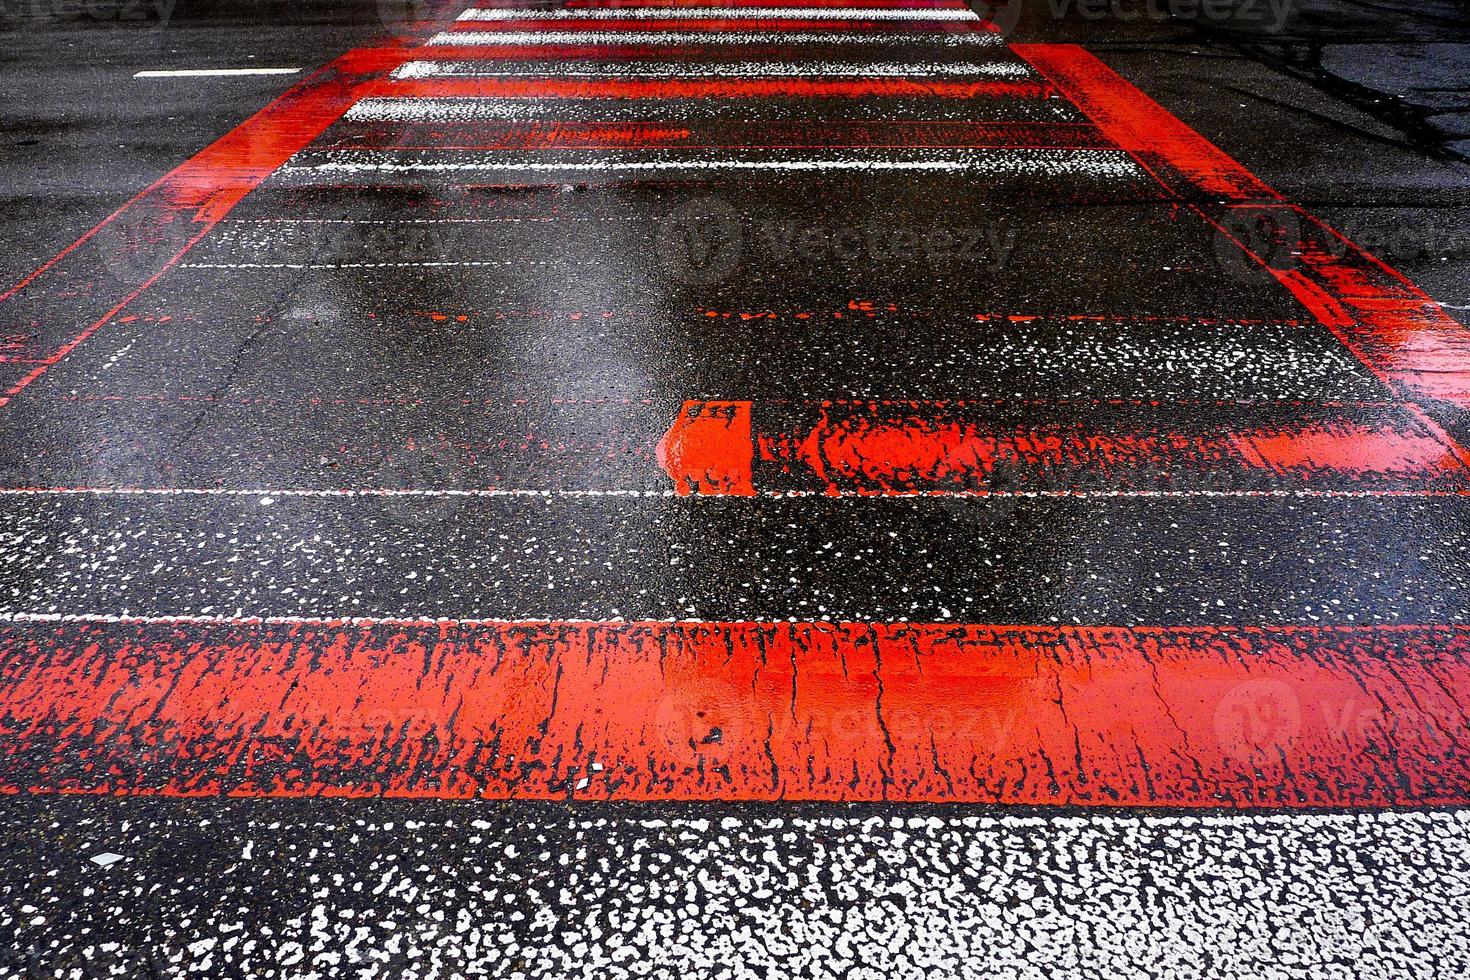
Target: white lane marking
212	72
268	493
1096	163
215	620
486	38
823	891
722	13
360	265
743	69
683	111
432	221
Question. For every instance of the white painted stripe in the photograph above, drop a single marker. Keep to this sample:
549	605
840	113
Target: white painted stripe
212	72
217	620
705	890
558	109
1094	163
743	69
602	218
721	13
362	265
489	38
270	495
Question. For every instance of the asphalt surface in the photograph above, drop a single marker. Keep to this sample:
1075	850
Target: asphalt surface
821	492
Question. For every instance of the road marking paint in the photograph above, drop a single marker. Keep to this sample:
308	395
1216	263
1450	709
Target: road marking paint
212	72
273	493
743	134
541	38
1099	163
911	111
729	448
674	20
700	88
737	4
1387	322
721	13
162	223
714	70
493	263
1233	717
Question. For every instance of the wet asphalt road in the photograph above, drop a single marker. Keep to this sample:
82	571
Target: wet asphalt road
773	507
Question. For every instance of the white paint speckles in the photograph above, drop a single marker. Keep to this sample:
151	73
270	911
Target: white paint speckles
706	109
548	557
721	13
1049	163
712	38
741	69
905	893
466	263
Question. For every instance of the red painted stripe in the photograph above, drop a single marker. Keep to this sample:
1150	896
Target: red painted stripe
725	134
1388	323
696	88
740	448
170	217
1092	716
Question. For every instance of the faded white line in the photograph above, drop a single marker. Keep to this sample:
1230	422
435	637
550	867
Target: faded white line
358	265
269	495
212	72
706	890
1094	163
566	109
722	13
488	38
568	219
742	69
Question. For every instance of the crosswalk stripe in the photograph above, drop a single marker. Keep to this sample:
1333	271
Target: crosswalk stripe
1083	716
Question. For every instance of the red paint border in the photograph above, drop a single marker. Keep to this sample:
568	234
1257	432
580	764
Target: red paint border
1396	330
176	211
1233	717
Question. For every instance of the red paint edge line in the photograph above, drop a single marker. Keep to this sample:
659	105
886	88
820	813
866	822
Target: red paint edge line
199	192
1396	330
1229	717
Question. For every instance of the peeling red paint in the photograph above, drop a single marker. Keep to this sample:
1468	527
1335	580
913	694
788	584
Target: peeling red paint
1387	322
165	221
896	447
708	449
1091	716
